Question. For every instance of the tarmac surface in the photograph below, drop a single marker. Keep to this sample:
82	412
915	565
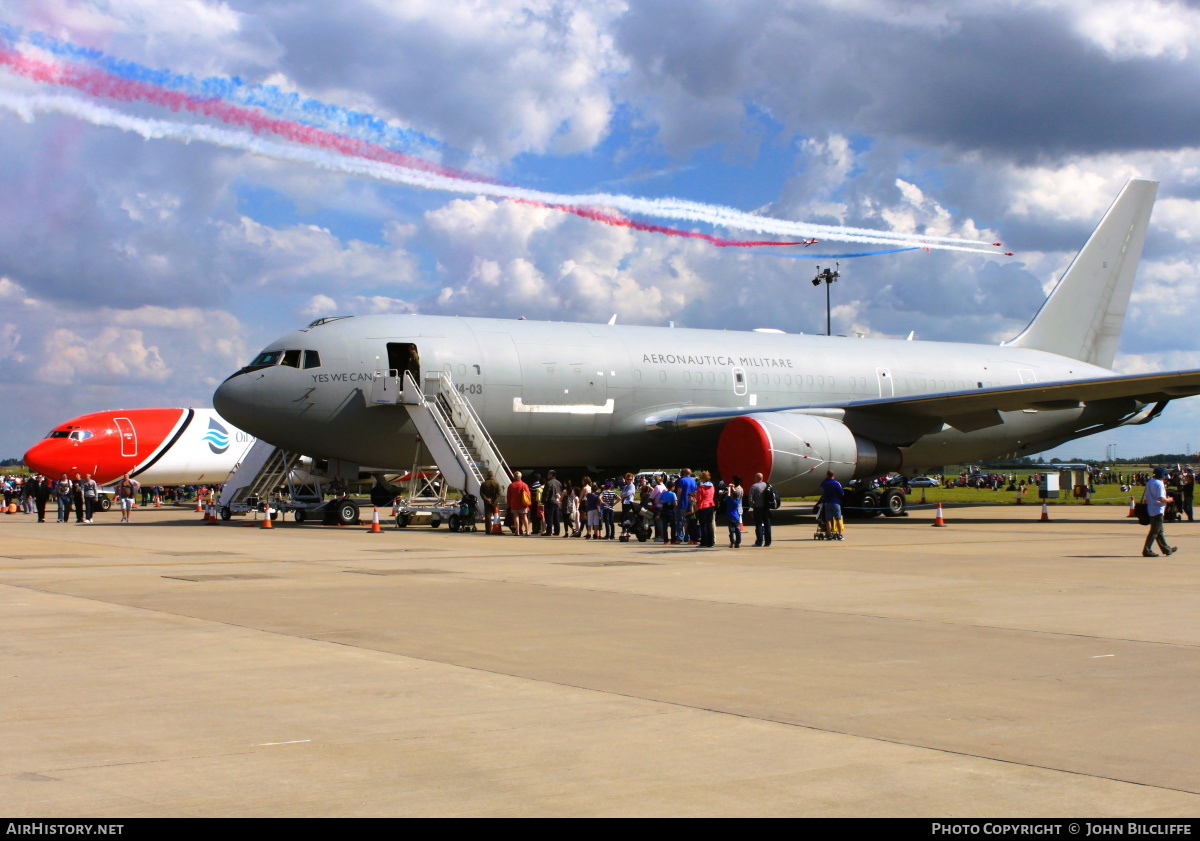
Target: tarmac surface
1000	666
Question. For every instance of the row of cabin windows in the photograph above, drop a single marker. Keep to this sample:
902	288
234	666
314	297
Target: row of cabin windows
910	386
291	358
787	380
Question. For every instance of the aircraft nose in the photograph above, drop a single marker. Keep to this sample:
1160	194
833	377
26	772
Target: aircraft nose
234	401
40	458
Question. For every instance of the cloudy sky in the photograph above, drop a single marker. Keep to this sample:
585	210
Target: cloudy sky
139	272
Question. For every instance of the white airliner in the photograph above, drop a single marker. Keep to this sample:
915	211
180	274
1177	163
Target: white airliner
789	406
154	446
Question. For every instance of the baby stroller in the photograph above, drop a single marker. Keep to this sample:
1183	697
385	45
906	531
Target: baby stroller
640	525
823	532
468	513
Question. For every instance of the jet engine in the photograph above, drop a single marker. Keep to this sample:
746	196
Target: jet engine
793	451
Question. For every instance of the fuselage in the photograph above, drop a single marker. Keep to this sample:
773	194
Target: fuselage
582	395
155	446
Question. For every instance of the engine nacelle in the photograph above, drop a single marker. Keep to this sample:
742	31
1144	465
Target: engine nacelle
794	451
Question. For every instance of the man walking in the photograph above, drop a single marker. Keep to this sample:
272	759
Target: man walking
1156	499
77	497
91	493
62	492
761	511
127	494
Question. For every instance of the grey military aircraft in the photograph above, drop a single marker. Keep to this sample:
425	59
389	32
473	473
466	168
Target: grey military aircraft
789	406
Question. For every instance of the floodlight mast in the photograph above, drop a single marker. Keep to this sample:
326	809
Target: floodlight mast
829	276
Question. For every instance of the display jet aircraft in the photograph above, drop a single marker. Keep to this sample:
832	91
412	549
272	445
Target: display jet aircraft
154	446
787	406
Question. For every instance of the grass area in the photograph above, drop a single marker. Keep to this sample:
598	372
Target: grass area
1105	495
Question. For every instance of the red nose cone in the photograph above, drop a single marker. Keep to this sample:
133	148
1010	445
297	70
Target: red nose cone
105	444
45	457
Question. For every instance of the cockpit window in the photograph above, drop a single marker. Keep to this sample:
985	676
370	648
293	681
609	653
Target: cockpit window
59	433
80	435
312	359
267	357
291	358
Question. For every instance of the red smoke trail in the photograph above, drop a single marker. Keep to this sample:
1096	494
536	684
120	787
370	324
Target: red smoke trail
97	83
609	218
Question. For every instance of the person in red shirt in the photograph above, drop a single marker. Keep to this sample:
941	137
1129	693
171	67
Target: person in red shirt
519	500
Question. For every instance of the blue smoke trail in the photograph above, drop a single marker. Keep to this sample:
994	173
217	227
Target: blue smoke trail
269	98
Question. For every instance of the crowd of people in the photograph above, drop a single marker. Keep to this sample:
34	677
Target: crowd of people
682	510
79	496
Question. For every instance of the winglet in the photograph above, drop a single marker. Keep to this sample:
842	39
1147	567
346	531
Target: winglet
1083	315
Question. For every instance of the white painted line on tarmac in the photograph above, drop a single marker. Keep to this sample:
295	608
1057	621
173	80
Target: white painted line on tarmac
293	742
1098	656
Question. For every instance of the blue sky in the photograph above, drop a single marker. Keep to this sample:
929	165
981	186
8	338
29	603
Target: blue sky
140	273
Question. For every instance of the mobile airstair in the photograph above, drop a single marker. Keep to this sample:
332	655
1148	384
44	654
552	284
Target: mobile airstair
256	479
449	428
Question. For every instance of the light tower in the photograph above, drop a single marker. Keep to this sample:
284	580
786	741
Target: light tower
828	276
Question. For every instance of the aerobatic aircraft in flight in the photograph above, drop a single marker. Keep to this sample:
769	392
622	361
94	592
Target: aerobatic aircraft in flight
598	396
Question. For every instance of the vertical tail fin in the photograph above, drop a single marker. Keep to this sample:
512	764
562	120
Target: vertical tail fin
1082	318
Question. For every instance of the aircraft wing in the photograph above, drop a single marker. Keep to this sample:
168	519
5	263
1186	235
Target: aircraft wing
902	420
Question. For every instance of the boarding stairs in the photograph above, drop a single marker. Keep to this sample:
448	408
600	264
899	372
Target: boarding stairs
263	469
449	427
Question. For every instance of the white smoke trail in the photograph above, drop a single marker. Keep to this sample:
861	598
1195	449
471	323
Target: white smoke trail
28	106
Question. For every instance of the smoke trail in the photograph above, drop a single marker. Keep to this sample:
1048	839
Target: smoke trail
269	98
27	106
97	83
366	126
807	256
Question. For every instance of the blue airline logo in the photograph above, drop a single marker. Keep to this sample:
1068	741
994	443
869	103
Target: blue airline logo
217	437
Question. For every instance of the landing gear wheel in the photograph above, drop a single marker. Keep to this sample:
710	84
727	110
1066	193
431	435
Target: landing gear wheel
347	513
870	505
894	503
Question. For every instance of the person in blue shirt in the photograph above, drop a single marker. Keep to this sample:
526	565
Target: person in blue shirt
831	505
685	486
1156	499
666	508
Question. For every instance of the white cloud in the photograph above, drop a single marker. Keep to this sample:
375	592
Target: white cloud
1129	29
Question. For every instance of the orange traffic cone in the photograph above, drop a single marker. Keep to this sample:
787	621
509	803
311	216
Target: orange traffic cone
395	507
1132	509
266	523
939	521
1087	497
923	496
1045	518
741	527
375	529
497	524
199	509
